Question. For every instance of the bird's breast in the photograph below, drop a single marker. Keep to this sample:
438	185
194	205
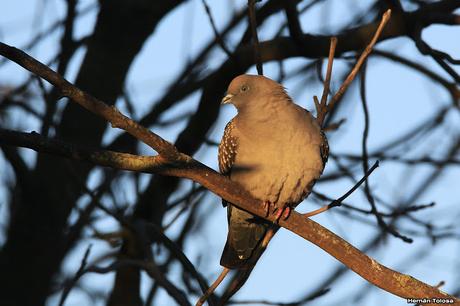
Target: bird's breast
278	163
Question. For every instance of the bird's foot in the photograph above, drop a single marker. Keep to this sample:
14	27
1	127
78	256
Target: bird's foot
282	212
267	205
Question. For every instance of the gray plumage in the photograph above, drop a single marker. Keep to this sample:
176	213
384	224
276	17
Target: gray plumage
275	149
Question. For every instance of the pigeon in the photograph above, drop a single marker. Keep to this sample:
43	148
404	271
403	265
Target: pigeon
273	148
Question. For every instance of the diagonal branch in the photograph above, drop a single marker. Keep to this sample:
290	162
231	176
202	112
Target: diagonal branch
338	202
111	114
323	108
219	38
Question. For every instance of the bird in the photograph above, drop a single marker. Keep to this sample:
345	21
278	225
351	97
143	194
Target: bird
273	148
276	150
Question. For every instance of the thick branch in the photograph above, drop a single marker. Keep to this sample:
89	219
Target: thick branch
111	114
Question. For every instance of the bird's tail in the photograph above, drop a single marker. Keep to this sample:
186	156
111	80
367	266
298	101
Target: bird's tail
245	234
242	274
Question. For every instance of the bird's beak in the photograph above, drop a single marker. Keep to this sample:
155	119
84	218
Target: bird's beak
227	99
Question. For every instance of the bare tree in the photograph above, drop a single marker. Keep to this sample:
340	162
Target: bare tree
59	201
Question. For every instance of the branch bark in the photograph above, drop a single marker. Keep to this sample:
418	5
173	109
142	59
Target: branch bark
109	113
175	163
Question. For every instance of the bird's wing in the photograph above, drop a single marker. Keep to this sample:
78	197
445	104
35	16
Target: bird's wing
227	152
227	149
244	230
324	149
324	146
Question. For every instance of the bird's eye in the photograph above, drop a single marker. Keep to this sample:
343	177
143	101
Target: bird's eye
244	88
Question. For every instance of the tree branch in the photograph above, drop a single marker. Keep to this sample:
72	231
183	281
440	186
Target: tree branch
219	38
110	114
255	37
360	62
321	106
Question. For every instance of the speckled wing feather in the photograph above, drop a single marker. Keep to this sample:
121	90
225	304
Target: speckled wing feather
227	150
324	149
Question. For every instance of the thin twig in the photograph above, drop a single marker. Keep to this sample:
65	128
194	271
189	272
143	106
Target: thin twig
365	159
385	18
339	201
365	164
321	108
78	274
219	38
303	301
255	38
409	161
213	287
151	269
330	60
394	213
451	87
334	126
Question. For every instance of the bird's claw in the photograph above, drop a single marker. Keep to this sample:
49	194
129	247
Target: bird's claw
267	205
285	212
279	212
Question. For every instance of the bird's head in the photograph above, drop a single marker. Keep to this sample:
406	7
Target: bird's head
248	90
